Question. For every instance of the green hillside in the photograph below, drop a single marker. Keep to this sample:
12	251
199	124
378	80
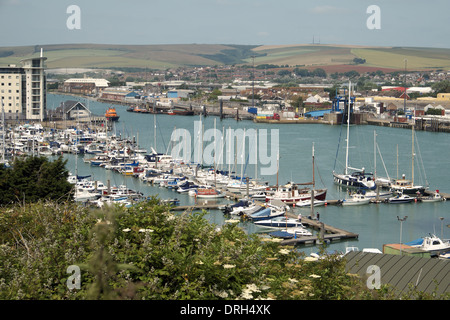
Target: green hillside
166	56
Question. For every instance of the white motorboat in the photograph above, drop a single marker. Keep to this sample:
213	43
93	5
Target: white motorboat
260	196
279	222
432	244
401	198
436	197
380	195
84	196
289	233
355	200
307	203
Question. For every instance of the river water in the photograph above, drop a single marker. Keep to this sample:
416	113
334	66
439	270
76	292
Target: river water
376	224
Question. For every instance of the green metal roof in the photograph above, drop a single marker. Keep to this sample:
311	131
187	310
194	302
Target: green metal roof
403	273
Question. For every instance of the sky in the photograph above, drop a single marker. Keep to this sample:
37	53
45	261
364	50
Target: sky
411	23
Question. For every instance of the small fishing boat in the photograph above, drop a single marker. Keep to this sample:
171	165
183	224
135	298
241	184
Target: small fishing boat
111	114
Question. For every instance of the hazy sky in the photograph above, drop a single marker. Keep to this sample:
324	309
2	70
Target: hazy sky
402	22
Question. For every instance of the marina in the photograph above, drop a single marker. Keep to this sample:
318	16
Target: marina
342	225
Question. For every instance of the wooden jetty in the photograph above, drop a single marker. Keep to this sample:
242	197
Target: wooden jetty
327	233
206	206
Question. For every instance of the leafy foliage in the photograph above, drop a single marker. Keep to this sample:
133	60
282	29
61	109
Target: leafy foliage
32	178
147	252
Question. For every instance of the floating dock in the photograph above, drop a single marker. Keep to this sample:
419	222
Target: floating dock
327	233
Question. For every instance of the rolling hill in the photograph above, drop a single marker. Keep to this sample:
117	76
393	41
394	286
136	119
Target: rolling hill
330	57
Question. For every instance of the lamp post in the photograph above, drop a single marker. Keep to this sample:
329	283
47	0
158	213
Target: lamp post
401	227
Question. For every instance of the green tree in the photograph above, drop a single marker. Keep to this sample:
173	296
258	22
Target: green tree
441	86
33	178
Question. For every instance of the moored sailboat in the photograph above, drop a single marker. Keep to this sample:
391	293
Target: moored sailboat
358	178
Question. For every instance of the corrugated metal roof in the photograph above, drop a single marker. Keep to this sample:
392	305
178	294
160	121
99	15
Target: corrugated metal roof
403	272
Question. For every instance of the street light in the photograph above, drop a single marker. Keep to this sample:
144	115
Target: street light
401	227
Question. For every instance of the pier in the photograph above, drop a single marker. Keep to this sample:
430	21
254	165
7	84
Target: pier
327	233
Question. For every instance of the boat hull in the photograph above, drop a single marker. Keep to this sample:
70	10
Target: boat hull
319	195
349	181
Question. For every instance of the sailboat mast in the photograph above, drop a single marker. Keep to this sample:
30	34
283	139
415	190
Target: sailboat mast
374	154
412	157
3	134
348	126
313	184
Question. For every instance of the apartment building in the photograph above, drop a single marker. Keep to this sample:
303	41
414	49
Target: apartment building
23	90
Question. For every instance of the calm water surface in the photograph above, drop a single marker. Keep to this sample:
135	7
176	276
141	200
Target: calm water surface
376	224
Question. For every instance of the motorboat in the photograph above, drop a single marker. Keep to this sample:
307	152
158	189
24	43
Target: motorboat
111	114
401	198
208	193
436	197
239	207
279	222
380	195
356	199
259	196
186	186
307	203
85	196
266	213
431	244
290	233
